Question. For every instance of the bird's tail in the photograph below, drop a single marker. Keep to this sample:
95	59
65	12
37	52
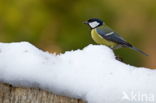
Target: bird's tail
138	50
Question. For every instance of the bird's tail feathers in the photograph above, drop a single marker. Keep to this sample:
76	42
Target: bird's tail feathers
138	50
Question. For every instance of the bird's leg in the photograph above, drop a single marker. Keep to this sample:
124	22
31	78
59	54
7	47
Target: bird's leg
117	47
119	58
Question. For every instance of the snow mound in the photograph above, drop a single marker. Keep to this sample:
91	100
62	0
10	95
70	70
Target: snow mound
92	74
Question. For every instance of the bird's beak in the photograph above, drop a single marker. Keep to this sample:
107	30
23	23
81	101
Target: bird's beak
85	22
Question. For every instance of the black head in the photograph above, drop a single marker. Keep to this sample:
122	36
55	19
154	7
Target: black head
94	22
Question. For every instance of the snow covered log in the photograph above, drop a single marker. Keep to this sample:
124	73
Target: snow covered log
9	94
92	74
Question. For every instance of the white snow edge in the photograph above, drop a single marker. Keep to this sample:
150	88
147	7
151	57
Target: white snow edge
92	74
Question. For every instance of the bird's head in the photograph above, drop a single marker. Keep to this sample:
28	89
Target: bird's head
94	23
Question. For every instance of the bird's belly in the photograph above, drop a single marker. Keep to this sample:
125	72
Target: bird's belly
100	40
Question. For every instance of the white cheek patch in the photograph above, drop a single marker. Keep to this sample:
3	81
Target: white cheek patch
94	24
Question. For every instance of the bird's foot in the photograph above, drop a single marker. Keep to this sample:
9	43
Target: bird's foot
119	58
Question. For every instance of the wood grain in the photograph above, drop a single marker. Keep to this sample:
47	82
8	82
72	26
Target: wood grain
10	94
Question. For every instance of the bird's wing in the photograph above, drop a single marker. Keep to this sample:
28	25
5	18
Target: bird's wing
108	34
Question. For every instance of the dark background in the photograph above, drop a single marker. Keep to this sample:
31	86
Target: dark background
56	25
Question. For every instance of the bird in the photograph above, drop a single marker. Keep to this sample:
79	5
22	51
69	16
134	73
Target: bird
104	35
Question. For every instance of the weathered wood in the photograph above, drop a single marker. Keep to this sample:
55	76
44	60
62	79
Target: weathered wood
10	94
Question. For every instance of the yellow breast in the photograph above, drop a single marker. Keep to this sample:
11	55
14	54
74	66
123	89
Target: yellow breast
100	40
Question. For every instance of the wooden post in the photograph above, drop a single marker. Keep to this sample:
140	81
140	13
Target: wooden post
10	94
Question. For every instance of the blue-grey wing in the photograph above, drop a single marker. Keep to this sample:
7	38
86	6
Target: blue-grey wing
108	34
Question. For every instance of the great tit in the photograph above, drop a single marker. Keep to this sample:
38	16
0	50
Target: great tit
102	34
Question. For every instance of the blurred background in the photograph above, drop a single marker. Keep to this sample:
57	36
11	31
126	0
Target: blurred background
56	25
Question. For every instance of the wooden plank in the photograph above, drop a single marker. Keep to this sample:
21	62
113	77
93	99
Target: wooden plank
10	94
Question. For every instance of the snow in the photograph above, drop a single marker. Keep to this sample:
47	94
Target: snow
92	74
